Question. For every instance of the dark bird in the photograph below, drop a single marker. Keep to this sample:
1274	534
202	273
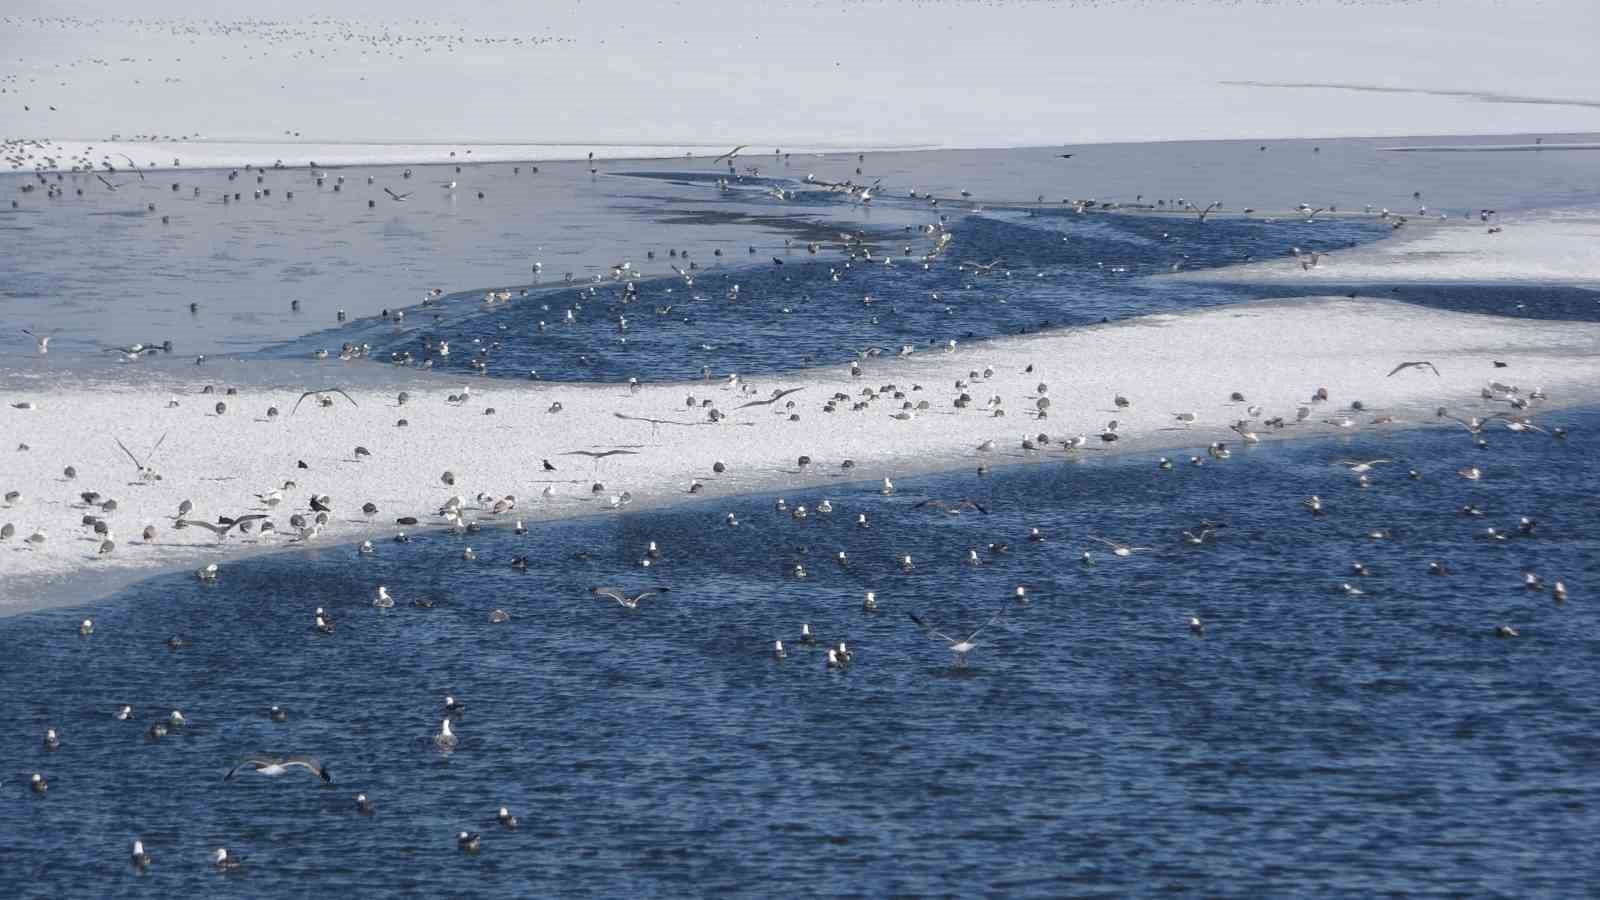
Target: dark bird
600	454
1413	365
776	396
223	525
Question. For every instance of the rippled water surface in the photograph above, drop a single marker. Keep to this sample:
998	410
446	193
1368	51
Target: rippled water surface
1310	742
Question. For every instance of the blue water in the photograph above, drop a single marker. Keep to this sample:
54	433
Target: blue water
1060	269
1310	742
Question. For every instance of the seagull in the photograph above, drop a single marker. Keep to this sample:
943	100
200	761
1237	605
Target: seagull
980	268
223	526
730	155
622	597
146	472
1414	365
273	766
222	861
959	647
319	394
445	740
1361	467
1118	549
43	340
398	198
140	859
776	396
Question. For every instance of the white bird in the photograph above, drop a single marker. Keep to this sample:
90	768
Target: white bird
1118	549
382	600
623	598
962	646
1361	467
274	766
445	740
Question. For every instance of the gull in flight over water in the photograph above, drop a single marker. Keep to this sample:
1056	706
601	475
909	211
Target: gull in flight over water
1119	549
1359	466
273	765
623	598
959	646
398	198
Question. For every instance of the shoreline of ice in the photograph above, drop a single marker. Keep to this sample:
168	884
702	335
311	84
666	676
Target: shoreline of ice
1274	352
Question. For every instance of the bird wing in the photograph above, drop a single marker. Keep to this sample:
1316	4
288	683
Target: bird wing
975	505
930	629
1405	365
234	523
637	597
1112	544
300	401
730	154
993	619
214	529
311	764
105	182
252	764
344	395
610	592
163	440
135	459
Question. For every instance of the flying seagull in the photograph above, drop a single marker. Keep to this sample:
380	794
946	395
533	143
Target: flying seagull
223	526
628	601
107	183
600	454
274	765
1216	204
324	391
1413	365
730	154
980	268
146	473
132	164
776	396
960	647
1116	548
398	198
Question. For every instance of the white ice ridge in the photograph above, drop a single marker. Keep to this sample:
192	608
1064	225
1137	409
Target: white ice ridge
1546	247
1276	354
178	156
